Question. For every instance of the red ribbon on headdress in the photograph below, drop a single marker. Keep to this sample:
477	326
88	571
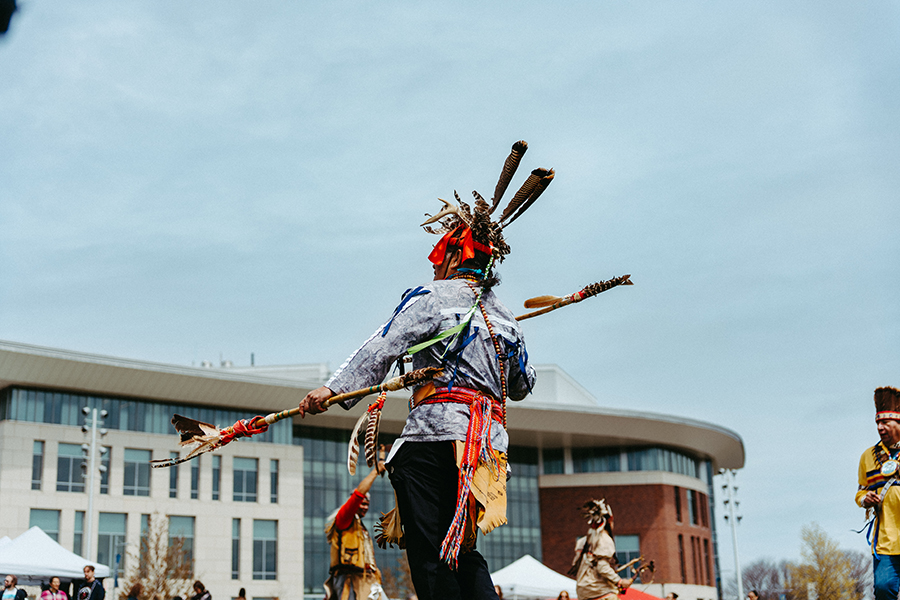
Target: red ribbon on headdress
461	237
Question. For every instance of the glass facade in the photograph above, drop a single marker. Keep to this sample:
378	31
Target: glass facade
126	414
327	485
603	460
596	460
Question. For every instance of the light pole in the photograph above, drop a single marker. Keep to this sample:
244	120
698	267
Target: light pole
731	504
90	468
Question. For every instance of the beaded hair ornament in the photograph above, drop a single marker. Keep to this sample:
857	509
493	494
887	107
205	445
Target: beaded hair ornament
472	229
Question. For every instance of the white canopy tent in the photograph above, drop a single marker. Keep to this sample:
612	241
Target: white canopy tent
528	578
34	557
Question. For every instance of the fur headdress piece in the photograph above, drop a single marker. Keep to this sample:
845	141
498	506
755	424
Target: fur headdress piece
595	511
887	403
472	230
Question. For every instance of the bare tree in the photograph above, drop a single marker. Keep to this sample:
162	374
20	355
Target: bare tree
162	565
397	581
860	574
763	576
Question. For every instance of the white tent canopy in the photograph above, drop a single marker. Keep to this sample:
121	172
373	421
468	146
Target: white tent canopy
529	578
34	557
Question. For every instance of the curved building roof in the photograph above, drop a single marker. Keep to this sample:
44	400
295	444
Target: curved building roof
559	413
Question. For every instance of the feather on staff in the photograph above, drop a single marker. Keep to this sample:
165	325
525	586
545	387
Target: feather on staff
553	302
209	437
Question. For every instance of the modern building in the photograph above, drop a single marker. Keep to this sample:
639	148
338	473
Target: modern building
253	513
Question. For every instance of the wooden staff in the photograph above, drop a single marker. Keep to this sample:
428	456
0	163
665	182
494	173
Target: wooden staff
209	437
551	303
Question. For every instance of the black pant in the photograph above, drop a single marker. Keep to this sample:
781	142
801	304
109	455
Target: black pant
425	477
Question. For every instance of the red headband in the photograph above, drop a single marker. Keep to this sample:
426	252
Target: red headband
887	414
464	240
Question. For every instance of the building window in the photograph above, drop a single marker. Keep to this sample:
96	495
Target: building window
245	479
105	460
68	468
693	508
181	530
695	552
173	476
678	504
78	538
37	465
48	520
265	549
111	540
235	548
273	481
707	561
216	476
137	473
681	558
554	461
663	459
147	416
628	547
704	509
596	460
195	479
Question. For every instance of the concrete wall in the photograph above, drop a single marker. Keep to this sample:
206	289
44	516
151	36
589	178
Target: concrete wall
213	518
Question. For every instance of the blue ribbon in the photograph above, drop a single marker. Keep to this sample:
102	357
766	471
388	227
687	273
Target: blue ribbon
409	295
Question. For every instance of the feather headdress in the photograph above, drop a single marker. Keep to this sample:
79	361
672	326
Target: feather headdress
595	511
472	228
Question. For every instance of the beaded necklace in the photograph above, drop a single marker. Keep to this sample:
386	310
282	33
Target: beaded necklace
496	343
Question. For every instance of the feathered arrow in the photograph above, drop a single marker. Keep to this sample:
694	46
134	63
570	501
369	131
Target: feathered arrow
553	302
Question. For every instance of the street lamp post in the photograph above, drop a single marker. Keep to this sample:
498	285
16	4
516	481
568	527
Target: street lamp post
731	504
93	425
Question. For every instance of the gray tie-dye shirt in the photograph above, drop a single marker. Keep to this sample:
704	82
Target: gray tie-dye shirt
423	313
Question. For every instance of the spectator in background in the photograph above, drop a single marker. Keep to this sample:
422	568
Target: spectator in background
563	595
134	593
242	595
10	591
671	596
53	592
200	592
92	588
753	595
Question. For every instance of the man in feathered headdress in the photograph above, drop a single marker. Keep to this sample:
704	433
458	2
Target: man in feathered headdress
879	494
595	576
448	467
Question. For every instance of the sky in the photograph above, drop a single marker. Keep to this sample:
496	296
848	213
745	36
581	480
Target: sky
182	182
